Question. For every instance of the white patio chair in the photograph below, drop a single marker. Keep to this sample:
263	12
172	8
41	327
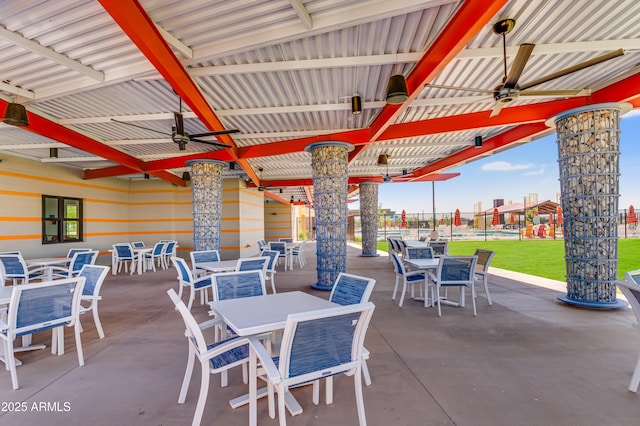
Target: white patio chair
440	248
169	251
316	345
270	273
137	244
16	271
453	271
419	252
351	290
482	270
253	264
285	240
94	276
214	358
631	292
73	251
124	255
283	253
79	259
186	279
408	279
633	276
200	257
155	257
50	305
298	253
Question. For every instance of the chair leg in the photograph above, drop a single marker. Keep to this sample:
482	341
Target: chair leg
202	398
187	376
10	361
79	344
96	319
282	389
404	290
486	290
635	378
395	288
357	378
328	389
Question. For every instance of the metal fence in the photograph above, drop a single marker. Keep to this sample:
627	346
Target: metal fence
479	226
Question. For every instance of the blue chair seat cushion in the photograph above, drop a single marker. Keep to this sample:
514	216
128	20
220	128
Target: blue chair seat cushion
230	356
202	283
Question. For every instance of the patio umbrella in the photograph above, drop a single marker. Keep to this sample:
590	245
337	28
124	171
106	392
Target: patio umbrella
496	218
559	214
550	218
456	218
512	219
442	220
403	216
631	216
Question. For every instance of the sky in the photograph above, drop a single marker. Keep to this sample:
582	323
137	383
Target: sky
511	175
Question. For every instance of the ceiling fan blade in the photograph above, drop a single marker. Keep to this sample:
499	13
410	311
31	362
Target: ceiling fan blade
522	57
572	69
496	109
221	145
179	123
140	127
466	89
215	133
560	92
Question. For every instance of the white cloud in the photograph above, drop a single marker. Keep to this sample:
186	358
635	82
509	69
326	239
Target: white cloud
503	166
534	172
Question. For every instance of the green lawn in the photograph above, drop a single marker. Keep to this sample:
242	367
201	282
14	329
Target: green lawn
543	258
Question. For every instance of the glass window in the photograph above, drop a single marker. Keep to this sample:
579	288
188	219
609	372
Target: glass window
61	219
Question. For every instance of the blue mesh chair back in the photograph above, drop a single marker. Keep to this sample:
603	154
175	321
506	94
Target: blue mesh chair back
123	251
455	270
273	258
439	248
633	276
72	252
351	289
158	248
234	285
169	248
253	264
94	276
13	265
419	252
137	244
204	256
397	264
184	274
285	240
80	259
278	246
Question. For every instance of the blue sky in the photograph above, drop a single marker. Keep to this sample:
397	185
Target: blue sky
512	175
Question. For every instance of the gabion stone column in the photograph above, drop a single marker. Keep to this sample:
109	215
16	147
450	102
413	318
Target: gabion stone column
588	154
206	188
329	162
369	218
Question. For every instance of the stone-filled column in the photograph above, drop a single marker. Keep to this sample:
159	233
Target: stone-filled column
588	158
206	188
329	163
369	218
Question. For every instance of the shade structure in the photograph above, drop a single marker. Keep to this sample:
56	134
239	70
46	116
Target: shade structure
403	216
456	218
495	220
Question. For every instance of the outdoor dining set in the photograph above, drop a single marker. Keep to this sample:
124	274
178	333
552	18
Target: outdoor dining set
318	338
46	294
428	265
136	256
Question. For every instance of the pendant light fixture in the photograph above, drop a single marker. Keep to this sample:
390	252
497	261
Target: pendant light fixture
397	92
478	142
186	176
53	152
356	105
16	115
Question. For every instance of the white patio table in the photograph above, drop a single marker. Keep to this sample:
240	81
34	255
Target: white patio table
48	263
249	316
220	266
423	265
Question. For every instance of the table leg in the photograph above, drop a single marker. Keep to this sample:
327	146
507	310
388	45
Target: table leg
253	384
113	263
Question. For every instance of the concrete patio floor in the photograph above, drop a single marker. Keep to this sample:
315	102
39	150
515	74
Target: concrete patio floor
525	360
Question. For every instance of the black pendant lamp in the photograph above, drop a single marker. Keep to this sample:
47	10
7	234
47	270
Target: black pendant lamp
383	160
356	104
16	115
397	92
186	176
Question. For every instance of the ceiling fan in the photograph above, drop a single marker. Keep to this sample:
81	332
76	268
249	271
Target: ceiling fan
383	160
179	136
261	188
511	89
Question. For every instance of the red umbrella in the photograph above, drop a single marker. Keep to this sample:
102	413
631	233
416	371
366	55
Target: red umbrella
631	216
456	218
404	219
512	219
559	214
442	220
496	218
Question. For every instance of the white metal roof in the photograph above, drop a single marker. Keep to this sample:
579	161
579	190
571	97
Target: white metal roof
282	72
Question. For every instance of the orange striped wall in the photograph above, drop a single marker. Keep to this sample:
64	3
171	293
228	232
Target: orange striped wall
277	221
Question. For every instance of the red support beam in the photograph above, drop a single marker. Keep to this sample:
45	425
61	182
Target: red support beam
469	19
274	197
